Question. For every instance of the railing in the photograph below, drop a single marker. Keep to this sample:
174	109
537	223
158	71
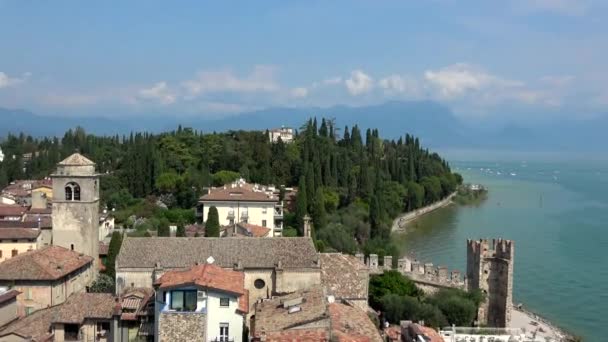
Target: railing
222	339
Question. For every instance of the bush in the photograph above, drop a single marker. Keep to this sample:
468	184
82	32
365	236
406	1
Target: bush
103	284
390	282
290	232
338	237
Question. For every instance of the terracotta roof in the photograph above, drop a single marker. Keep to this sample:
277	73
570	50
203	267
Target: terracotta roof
431	333
39	211
19	233
81	306
45	221
12	210
192	229
254	230
76	159
35	327
206	275
298	335
272	315
182	252
352	324
209	276
8	295
18	224
134	302
238	194
49	263
344	276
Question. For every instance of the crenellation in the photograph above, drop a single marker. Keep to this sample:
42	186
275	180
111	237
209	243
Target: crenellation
388	262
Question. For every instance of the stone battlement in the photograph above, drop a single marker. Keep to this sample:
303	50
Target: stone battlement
416	270
496	248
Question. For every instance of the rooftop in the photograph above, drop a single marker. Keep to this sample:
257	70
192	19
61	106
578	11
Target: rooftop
344	276
35	327
240	191
49	263
351	324
19	233
76	159
12	210
274	314
134	303
209	276
8	295
183	252
81	306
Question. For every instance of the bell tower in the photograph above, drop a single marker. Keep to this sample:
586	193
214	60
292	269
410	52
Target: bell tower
76	205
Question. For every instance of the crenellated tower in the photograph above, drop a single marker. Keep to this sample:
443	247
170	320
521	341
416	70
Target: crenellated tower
490	269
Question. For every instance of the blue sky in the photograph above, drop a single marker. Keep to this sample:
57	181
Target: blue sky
510	59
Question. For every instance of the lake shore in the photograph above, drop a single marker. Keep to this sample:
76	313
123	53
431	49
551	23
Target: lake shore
400	223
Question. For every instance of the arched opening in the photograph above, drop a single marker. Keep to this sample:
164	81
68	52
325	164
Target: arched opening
72	192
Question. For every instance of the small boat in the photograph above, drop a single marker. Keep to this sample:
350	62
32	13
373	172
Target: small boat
513	174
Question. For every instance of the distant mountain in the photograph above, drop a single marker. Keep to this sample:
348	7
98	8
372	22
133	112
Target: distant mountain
433	123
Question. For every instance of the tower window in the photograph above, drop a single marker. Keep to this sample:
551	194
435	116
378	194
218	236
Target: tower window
72	246
72	192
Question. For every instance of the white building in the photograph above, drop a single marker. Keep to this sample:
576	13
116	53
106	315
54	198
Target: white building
241	202
203	303
285	133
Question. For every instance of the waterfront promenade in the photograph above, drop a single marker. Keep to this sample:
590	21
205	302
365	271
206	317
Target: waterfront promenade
400	223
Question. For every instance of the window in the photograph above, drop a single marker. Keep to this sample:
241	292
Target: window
28	293
263	210
0	253
224	332
72	246
224	302
28	310
72	192
263	223
183	300
14	253
231	221
71	332
259	284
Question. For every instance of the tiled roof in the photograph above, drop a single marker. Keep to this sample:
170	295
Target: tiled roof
238	194
298	335
81	306
351	324
35	327
254	230
39	211
18	224
19	233
271	315
297	252
206	275
49	263
76	159
134	302
45	221
344	276
8	295
12	210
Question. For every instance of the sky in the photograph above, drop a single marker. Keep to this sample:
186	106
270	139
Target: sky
505	60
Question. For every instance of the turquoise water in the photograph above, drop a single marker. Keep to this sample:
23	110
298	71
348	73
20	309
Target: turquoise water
557	214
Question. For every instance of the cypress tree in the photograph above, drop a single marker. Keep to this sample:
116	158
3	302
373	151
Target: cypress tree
319	216
301	203
212	226
181	230
113	250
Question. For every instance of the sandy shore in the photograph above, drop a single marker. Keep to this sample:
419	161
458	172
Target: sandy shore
400	223
536	327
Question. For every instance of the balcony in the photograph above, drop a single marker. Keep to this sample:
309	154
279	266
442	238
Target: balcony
244	216
222	339
230	215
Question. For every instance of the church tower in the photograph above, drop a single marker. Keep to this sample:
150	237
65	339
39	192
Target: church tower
76	205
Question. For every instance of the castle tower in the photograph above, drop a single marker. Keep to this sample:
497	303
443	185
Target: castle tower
76	205
490	269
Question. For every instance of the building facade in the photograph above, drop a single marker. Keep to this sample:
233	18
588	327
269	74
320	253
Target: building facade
285	134
76	205
240	202
203	303
17	238
46	277
490	269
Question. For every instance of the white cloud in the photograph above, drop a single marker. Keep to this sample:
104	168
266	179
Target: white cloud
459	79
332	80
261	79
158	92
400	85
7	81
299	92
359	83
557	81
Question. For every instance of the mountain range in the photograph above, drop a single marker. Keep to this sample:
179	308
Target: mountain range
434	123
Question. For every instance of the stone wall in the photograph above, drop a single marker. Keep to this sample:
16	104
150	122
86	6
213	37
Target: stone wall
426	275
181	327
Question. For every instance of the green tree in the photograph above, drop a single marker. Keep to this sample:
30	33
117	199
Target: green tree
390	282
212	226
163	229
319	216
224	177
113	250
301	204
103	284
181	230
